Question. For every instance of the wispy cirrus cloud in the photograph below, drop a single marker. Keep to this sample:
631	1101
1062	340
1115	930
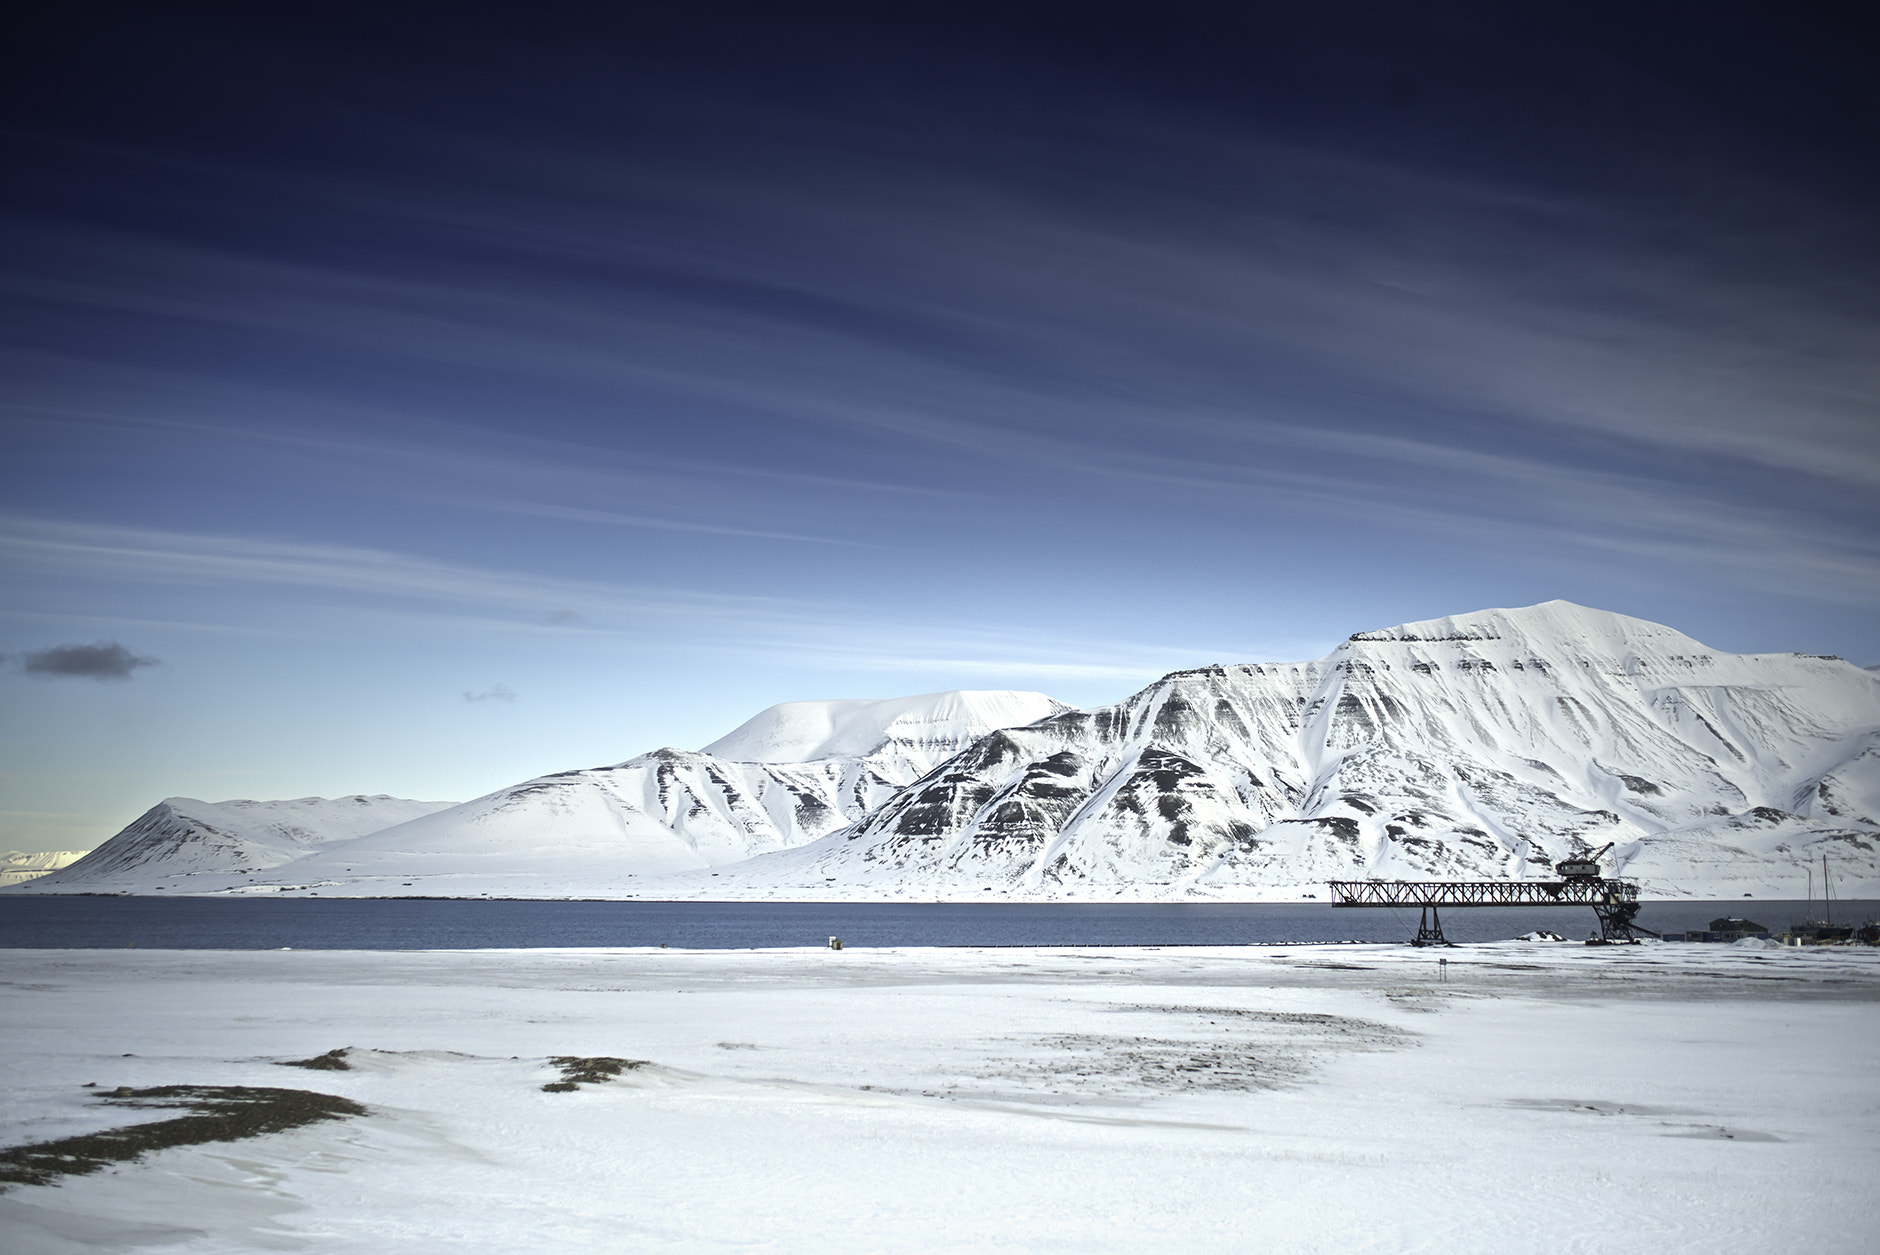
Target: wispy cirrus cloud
385	587
141	555
613	518
1152	313
1055	321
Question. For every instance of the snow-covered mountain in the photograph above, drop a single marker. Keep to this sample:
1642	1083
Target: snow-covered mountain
803	769
181	839
17	867
1481	745
1487	744
894	734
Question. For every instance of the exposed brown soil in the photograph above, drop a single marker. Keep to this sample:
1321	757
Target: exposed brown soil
579	1070
219	1113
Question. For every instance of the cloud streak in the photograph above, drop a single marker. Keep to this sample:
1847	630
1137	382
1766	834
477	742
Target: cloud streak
389	586
1050	311
495	693
672	359
165	557
101	660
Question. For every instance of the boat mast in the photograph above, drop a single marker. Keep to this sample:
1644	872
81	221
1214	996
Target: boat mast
1827	892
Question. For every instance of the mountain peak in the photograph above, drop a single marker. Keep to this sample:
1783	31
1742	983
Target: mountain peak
794	732
1560	621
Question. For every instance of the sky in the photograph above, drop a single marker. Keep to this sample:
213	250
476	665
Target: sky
414	399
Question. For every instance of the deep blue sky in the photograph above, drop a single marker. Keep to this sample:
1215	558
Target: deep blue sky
443	395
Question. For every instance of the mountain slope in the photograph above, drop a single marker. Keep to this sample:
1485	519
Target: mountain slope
1489	744
587	831
183	837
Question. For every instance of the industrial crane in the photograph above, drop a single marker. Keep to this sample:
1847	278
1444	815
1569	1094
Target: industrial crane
1615	902
1582	868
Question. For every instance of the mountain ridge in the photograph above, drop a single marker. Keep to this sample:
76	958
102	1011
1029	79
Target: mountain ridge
674	810
663	811
1487	744
1223	779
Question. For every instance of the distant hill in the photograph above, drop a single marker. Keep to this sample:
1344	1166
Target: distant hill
594	831
184	837
18	868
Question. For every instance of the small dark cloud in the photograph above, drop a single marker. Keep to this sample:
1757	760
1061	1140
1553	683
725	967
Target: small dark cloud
559	617
495	693
103	660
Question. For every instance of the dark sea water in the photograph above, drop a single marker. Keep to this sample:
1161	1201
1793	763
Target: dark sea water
40	922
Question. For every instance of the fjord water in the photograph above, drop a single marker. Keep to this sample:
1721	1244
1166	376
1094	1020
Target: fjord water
453	924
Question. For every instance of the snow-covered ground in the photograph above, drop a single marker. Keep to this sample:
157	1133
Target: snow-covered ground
1542	1098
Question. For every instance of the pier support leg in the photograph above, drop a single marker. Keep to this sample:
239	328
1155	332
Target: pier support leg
1430	929
1615	921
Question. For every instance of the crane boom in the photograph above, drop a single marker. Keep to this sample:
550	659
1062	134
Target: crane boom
1614	902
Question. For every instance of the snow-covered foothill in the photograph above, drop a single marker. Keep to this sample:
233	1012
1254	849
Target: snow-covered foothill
587	832
181	838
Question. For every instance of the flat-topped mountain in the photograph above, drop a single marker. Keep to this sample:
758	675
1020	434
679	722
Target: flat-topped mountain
1480	745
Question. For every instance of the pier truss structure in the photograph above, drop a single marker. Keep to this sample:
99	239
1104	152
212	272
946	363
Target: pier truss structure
1614	902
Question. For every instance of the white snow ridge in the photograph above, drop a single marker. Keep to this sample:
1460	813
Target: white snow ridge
1484	745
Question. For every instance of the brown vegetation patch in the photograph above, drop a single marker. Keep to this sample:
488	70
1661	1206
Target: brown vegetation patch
219	1113
579	1070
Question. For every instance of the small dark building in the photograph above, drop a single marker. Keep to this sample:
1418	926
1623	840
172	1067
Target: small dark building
1729	928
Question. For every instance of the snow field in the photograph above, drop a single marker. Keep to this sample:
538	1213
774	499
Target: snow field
1544	1098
